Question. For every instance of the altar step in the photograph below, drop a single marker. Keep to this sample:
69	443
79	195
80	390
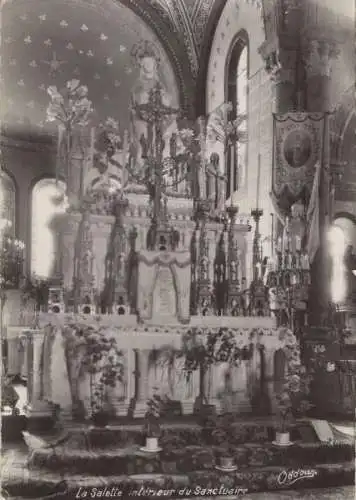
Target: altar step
199	483
176	458
110	457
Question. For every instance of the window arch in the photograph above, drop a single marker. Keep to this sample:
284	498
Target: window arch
237	74
47	201
8	202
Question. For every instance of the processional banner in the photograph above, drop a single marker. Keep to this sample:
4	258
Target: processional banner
298	146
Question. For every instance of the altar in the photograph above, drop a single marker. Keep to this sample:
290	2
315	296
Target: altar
154	363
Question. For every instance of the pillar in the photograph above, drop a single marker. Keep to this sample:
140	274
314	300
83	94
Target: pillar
319	55
281	65
142	394
36	406
124	392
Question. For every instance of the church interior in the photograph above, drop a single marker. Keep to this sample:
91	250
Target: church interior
178	249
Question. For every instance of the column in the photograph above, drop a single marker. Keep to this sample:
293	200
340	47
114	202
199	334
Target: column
36	406
281	65
124	392
319	56
142	368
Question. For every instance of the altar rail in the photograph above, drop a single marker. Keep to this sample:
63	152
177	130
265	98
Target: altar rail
48	379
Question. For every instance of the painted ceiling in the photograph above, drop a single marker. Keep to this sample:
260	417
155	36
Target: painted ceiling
50	42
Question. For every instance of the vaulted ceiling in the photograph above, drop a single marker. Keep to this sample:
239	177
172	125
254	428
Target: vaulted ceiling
50	42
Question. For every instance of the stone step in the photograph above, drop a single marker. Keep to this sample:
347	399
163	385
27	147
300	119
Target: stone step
178	434
180	460
204	483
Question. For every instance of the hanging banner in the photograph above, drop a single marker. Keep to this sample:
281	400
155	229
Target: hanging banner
298	146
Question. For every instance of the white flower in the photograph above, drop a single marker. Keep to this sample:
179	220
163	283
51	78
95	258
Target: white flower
72	85
84	27
111	122
63	24
103	37
28	40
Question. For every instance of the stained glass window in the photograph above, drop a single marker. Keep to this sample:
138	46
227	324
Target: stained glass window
48	200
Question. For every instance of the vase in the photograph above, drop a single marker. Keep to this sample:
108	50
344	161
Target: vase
227	462
100	419
282	438
151	443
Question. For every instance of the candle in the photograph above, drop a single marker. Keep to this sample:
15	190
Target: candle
279	244
298	243
258	181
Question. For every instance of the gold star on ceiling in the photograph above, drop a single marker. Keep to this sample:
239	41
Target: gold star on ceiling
54	64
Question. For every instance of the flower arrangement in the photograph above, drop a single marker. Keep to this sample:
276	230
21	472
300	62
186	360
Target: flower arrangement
153	413
103	361
69	106
35	288
293	397
11	262
202	348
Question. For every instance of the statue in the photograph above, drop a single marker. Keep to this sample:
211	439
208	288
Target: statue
216	183
294	232
143	133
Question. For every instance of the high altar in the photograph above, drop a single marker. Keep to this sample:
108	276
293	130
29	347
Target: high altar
152	254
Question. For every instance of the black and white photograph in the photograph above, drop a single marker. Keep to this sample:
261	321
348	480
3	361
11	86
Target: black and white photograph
178	249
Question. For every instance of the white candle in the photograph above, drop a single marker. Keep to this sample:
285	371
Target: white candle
298	243
258	181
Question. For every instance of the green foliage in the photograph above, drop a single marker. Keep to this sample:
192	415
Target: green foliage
293	397
153	416
102	360
203	348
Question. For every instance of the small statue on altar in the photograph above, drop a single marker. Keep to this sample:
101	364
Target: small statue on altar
234	273
294	229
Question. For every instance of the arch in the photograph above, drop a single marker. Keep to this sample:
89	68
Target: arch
236	81
173	47
210	29
47	200
8	201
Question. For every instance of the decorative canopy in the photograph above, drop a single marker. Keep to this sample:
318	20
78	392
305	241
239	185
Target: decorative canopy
48	43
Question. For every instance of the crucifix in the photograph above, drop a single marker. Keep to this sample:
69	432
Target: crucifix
154	112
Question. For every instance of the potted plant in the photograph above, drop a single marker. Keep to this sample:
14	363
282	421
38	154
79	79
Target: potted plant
103	361
292	399
152	428
285	416
203	349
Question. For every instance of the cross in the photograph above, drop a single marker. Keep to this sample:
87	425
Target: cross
154	112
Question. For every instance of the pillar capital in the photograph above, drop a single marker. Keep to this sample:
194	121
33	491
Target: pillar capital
319	55
280	63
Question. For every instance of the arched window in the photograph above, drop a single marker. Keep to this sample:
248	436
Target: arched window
337	248
236	93
7	203
48	200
